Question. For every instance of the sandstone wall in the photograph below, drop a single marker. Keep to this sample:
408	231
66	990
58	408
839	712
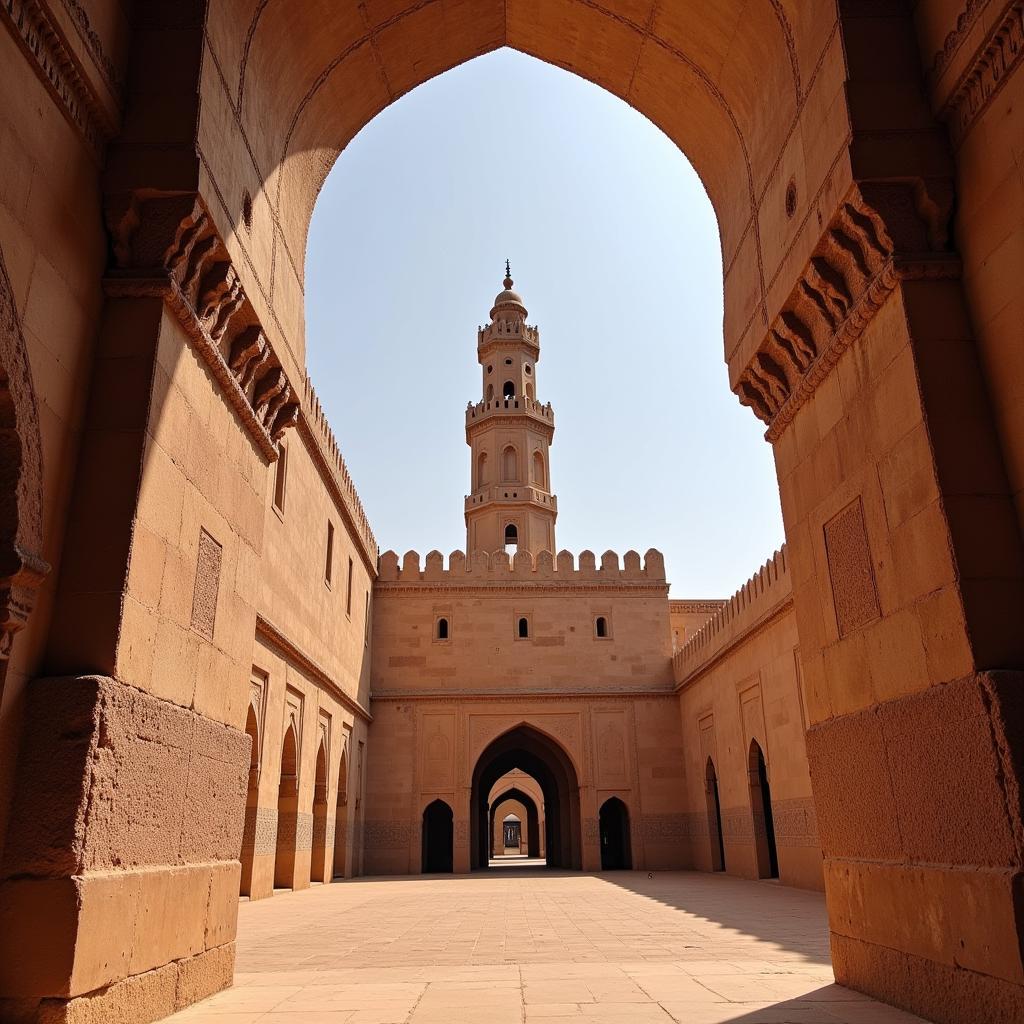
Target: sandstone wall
739	681
483	600
53	251
426	748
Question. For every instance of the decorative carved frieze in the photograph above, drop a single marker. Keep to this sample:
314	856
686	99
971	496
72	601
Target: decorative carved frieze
662	828
260	831
986	74
387	835
40	38
167	245
796	822
883	232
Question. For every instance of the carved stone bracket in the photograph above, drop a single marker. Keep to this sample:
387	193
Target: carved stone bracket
881	234
167	245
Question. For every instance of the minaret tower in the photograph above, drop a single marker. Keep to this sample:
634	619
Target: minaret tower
510	433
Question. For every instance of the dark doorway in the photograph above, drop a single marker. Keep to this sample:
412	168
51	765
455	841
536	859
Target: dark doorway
714	817
438	833
545	760
761	807
614	829
511	833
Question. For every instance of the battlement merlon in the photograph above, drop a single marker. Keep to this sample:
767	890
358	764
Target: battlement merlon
314	419
764	593
482	569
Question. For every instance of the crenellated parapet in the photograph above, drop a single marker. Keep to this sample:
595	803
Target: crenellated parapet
314	420
758	599
504	330
487	410
502	570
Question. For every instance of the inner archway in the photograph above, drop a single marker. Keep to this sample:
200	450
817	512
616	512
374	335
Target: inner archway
512	798
546	761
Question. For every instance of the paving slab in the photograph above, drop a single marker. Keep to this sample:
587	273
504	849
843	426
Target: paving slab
524	945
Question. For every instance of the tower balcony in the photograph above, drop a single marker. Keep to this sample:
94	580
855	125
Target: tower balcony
520	406
505	331
510	494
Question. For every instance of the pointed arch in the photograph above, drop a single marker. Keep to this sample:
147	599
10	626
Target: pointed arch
540	755
438	834
341	826
714	809
510	464
532	837
761	810
538	475
319	871
252	796
613	829
287	811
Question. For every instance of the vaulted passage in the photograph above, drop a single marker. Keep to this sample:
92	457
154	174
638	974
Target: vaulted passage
506	804
546	761
161	162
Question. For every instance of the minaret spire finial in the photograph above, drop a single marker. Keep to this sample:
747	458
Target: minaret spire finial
508	275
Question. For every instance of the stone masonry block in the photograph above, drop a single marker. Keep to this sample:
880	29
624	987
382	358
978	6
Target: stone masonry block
112	778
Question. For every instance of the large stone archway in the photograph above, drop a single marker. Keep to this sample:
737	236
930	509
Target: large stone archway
545	760
816	129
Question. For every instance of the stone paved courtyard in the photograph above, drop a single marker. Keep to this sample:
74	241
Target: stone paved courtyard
515	946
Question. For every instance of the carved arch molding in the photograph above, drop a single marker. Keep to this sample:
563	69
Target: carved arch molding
22	567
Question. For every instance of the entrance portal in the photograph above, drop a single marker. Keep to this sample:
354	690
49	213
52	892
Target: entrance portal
547	762
438	833
614	828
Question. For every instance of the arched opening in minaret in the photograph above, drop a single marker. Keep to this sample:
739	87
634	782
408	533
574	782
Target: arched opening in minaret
509	465
511	537
538	469
629	306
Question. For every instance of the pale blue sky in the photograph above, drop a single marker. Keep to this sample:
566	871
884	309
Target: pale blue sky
614	248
